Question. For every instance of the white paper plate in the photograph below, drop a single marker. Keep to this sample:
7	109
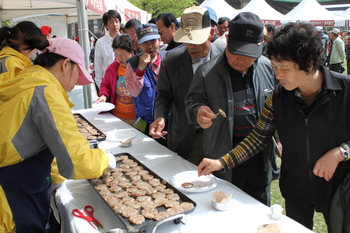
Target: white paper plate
106	129
104	106
201	184
120	135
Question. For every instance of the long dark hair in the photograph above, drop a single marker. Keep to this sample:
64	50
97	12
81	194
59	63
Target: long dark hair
25	34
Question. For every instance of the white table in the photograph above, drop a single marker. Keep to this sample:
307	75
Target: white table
245	213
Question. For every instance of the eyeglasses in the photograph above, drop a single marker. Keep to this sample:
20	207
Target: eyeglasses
161	31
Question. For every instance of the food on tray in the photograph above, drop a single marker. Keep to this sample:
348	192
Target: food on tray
137	219
173	197
187	185
137	195
88	131
171	203
160	216
149	212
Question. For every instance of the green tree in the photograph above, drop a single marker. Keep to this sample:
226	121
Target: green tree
156	7
7	23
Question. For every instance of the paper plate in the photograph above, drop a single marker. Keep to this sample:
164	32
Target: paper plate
120	135
201	184
104	106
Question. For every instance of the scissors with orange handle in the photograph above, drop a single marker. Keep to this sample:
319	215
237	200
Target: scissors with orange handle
89	210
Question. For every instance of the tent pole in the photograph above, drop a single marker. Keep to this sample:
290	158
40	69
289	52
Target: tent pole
84	35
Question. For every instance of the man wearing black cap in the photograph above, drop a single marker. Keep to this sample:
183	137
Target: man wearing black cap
238	82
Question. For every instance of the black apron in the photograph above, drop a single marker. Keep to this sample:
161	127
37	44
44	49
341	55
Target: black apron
27	188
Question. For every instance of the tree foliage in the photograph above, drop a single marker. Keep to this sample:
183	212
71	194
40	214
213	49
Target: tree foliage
7	23
156	7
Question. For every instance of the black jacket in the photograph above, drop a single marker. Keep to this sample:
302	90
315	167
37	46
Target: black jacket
174	80
305	138
211	86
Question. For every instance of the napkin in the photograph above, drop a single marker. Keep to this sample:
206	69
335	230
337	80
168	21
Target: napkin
221	197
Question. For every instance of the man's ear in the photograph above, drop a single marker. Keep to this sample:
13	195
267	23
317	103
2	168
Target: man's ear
212	34
172	27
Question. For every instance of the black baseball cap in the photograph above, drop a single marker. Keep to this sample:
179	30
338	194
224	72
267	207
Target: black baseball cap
246	35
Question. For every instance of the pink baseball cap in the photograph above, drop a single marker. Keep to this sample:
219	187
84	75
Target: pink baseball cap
70	49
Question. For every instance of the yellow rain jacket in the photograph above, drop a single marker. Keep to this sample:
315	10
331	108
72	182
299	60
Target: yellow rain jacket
37	123
11	63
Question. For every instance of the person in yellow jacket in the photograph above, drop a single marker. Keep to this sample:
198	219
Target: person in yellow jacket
17	46
37	126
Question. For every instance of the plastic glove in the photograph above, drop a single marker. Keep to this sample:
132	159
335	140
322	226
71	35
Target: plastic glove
112	162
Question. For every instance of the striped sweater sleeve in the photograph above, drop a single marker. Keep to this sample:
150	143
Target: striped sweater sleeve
255	141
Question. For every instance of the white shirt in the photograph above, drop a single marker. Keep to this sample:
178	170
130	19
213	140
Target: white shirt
104	56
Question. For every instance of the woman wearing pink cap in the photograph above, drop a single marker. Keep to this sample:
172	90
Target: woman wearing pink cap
17	46
40	127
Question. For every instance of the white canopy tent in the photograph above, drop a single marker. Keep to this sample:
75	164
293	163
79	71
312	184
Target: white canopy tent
313	12
221	8
128	11
266	13
345	14
73	11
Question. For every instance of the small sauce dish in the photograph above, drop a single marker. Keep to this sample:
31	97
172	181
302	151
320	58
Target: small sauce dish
126	142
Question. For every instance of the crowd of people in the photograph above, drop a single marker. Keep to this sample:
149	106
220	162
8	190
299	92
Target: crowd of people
281	91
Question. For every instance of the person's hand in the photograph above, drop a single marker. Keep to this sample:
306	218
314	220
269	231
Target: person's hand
101	99
205	116
328	163
279	148
207	166
155	129
145	58
111	161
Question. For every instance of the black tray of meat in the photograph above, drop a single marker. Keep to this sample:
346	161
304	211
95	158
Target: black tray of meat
87	129
139	197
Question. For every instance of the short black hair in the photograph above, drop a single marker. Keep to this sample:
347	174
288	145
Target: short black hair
24	33
222	20
168	19
270	28
153	20
124	41
110	14
297	42
132	23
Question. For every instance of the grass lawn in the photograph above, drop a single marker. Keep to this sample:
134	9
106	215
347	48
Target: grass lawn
276	198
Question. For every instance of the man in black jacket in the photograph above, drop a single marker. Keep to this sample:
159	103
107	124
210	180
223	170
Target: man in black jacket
175	76
238	82
310	110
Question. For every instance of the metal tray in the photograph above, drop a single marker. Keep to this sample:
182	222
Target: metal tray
101	136
150	225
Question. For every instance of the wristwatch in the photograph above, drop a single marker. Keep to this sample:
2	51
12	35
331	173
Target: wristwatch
344	152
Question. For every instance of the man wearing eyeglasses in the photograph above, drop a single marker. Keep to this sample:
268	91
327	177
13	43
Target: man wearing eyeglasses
103	51
167	27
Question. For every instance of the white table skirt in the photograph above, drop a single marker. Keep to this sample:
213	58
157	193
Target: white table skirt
245	214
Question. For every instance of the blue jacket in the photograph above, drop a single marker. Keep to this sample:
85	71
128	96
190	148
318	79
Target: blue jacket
144	102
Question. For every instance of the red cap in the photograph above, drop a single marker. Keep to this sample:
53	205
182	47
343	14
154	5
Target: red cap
45	30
